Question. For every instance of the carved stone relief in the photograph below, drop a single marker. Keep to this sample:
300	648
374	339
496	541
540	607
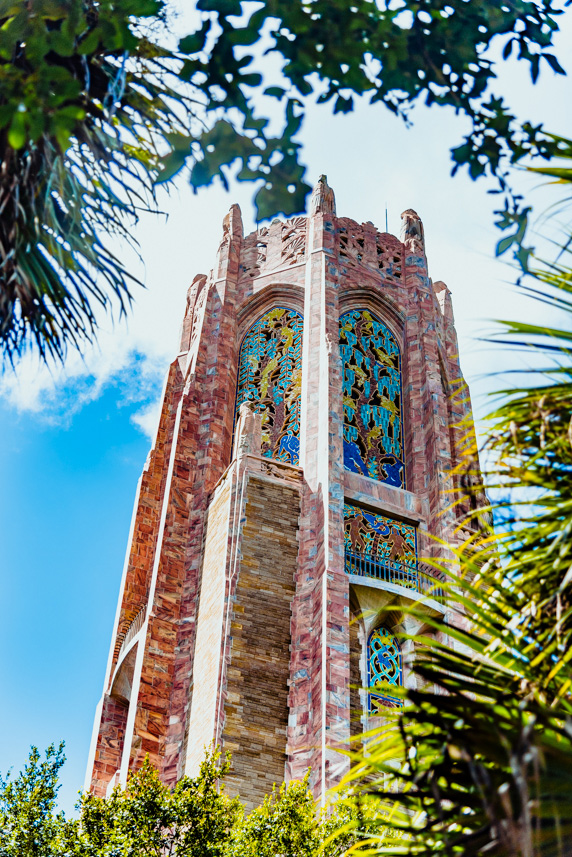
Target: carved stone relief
294	241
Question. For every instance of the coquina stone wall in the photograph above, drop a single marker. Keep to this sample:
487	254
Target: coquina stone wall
255	722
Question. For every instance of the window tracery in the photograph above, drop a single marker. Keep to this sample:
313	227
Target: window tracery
270	374
384	664
373	432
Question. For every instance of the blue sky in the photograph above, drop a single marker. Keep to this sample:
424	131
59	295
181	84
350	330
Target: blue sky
75	440
65	507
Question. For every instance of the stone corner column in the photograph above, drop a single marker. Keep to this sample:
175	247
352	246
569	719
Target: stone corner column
319	690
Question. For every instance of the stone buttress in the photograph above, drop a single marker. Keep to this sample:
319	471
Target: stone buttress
305	464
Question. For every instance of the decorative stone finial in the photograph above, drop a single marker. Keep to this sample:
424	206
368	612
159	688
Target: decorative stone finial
323	199
248	435
412	234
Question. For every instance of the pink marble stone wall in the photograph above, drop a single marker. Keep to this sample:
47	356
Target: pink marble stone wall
321	265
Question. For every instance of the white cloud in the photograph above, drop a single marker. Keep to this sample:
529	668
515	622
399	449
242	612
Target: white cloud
147	419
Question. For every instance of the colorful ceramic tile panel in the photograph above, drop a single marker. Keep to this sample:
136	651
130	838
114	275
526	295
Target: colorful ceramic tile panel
378	537
373	433
270	373
384	664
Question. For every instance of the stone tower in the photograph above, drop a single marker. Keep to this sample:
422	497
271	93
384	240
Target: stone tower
305	468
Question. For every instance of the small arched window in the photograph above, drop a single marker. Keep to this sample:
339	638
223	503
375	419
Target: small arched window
384	664
373	433
270	374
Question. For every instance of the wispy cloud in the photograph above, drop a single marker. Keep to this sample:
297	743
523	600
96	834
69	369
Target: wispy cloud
147	418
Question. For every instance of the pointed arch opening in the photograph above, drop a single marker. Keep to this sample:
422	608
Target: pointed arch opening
372	397
270	376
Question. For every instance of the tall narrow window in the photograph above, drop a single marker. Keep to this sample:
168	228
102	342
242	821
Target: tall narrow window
384	664
373	435
270	374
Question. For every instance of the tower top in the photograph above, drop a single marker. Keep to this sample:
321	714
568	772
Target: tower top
308	456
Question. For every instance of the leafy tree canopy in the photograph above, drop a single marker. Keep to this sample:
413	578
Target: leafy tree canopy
397	54
288	824
29	823
147	818
91	104
95	107
194	819
394	53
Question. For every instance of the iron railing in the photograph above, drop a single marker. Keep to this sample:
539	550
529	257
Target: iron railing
410	575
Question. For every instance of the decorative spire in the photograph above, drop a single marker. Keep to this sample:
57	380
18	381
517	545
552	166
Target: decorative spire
323	199
232	223
412	234
229	247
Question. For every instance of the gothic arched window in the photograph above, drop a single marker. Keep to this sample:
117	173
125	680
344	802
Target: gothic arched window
384	664
270	374
373	435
